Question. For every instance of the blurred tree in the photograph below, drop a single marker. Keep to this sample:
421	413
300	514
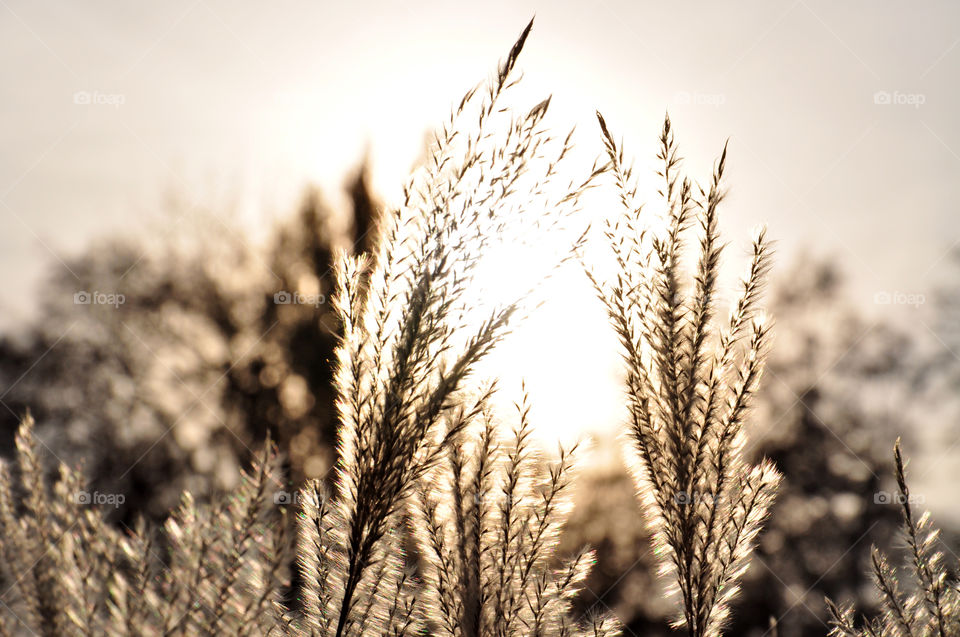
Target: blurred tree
215	344
942	376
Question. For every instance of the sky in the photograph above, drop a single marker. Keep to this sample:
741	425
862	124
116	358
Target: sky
841	120
236	105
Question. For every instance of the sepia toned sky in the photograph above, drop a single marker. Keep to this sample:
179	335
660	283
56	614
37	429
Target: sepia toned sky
842	120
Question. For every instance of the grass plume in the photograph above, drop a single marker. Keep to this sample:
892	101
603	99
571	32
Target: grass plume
689	383
930	607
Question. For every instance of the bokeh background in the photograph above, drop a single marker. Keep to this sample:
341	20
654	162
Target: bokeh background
172	174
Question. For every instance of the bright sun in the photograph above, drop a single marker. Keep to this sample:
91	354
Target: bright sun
560	350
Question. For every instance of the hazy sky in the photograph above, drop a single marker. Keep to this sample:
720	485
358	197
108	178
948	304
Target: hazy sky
231	103
842	116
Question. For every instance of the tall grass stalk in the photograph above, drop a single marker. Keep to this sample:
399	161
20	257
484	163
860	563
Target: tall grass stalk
929	604
689	383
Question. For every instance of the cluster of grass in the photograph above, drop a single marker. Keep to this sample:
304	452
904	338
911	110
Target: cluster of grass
931	606
442	518
689	388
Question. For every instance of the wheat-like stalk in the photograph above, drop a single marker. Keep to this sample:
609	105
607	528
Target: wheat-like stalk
932	609
487	520
404	363
67	572
689	384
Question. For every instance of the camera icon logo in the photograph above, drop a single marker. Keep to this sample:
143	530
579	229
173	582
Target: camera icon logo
82	98
882	298
882	497
81	298
82	497
882	97
282	498
282	298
